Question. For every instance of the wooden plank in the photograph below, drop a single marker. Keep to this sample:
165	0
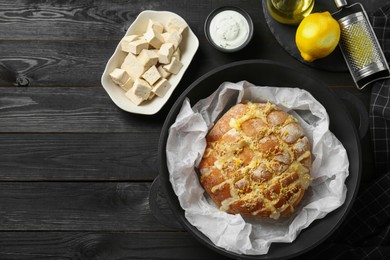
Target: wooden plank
51	19
77	63
71	110
81	206
102	245
34	157
85	20
105	20
81	63
58	63
75	110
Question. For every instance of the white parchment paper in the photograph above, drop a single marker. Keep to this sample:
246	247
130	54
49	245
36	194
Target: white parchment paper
186	144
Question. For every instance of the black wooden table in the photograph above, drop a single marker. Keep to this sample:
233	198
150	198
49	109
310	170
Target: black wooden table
75	170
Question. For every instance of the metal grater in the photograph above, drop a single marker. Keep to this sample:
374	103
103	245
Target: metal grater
359	45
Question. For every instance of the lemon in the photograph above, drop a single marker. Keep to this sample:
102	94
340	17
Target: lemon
317	36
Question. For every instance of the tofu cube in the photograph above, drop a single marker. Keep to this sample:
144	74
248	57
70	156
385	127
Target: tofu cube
165	53
125	42
154	38
156	26
172	37
137	46
176	24
130	94
177	54
148	58
141	88
151	96
174	66
119	76
151	75
133	66
161	87
163	72
127	86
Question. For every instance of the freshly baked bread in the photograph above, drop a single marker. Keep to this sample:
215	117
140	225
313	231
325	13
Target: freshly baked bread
257	161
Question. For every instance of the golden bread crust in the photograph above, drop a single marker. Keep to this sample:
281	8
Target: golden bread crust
257	161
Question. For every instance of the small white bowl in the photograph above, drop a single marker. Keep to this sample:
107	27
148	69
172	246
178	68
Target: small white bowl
188	48
214	13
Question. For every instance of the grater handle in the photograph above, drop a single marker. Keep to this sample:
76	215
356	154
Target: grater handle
340	3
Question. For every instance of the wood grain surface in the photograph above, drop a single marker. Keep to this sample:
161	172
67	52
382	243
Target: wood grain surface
75	170
86	206
102	245
78	157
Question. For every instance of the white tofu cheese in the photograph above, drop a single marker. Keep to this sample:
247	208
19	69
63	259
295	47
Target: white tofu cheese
176	24
156	26
148	58
163	72
165	53
133	66
151	96
125	42
129	83
172	37
161	87
151	75
137	46
151	59
130	94
119	76
174	66
154	38
141	88
177	54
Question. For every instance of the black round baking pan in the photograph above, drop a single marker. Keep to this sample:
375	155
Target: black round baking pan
263	73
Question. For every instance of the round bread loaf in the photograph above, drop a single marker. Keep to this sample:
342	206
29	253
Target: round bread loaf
257	161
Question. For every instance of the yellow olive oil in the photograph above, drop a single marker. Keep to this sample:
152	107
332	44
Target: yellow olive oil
290	11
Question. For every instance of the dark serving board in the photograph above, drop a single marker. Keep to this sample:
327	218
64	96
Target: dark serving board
285	34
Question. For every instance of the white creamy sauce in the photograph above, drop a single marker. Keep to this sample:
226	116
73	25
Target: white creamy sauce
229	29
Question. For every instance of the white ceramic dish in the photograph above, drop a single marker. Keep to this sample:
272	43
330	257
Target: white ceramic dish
188	48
